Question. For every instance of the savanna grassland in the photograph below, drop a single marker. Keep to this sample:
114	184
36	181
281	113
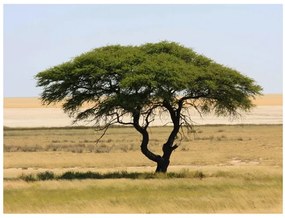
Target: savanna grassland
216	169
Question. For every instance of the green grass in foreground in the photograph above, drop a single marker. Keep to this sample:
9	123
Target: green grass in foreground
219	192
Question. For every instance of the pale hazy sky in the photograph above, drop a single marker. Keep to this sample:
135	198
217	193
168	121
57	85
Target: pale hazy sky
247	38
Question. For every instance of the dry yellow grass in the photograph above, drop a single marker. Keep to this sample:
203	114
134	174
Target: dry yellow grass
243	193
246	159
208	145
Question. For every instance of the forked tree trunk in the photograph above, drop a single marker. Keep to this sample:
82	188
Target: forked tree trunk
164	161
161	161
168	147
162	165
145	141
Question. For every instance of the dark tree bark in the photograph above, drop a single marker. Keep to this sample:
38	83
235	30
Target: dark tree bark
145	138
167	148
163	162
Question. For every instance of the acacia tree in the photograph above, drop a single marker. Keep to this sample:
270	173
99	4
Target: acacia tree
129	85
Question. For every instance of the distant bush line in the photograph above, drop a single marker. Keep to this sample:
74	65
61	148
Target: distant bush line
185	173
71	175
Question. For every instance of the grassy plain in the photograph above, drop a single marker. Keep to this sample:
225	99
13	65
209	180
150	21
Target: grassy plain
242	167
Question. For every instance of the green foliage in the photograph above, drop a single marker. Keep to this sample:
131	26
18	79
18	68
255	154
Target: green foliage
120	80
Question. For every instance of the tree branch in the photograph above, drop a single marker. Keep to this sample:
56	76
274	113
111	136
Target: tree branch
118	116
145	138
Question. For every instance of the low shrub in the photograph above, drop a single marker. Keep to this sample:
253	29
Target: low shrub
28	178
47	175
70	175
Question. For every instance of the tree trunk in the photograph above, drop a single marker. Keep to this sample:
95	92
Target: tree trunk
163	162
145	139
168	147
162	165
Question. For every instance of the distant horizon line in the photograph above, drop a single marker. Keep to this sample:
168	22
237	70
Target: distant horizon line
40	97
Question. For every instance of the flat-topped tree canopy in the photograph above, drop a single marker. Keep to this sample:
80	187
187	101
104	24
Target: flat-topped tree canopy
136	80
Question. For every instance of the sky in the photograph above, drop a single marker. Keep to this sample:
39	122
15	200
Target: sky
247	37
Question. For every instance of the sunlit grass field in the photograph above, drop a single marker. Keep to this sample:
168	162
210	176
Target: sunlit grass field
241	168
